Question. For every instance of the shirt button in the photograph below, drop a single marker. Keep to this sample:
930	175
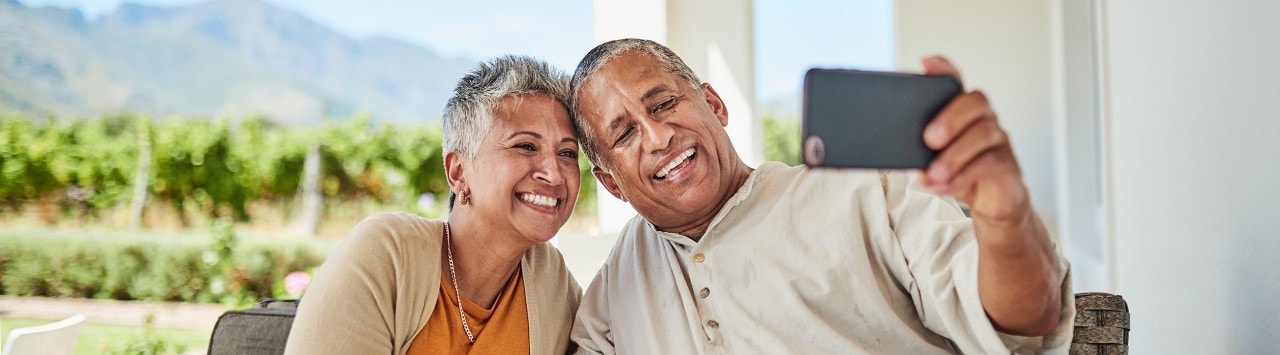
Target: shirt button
705	292
713	324
697	258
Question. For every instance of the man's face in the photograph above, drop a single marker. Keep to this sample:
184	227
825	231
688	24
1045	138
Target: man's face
661	139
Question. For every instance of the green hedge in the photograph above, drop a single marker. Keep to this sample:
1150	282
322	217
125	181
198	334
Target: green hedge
217	166
87	166
782	140
181	269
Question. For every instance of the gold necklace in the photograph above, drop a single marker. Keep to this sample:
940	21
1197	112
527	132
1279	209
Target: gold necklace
462	313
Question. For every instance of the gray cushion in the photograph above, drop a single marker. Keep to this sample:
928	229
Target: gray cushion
252	331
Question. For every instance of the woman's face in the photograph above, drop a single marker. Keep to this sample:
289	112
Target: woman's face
525	172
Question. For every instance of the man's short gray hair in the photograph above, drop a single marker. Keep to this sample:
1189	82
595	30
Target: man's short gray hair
469	113
601	55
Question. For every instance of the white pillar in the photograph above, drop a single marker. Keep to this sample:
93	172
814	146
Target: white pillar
1079	159
715	38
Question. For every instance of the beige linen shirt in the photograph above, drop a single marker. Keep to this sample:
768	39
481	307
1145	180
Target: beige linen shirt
376	291
803	261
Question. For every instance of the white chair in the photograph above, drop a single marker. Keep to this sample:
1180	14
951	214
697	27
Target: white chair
56	338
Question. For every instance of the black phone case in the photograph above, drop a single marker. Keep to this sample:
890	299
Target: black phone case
866	119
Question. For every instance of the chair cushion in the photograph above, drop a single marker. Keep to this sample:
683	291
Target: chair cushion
252	331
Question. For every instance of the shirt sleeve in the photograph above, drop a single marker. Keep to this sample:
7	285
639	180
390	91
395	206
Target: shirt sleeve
347	308
939	268
591	329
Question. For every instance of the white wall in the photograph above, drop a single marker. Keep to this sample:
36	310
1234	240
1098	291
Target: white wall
1192	107
1004	49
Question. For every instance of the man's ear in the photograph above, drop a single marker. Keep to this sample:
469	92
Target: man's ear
454	165
607	180
717	105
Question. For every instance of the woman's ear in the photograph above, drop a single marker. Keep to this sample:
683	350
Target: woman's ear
454	166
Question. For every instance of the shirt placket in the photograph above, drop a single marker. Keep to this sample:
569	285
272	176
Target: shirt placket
701	273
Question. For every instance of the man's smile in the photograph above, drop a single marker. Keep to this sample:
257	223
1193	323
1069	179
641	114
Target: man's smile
676	165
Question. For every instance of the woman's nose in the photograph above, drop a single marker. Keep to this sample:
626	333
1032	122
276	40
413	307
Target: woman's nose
547	170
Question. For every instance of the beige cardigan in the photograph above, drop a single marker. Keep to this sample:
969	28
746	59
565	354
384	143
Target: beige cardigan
378	288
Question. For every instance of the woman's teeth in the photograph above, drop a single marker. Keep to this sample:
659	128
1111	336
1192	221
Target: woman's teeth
674	162
539	199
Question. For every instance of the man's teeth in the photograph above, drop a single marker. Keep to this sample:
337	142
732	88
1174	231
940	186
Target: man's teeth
672	165
540	200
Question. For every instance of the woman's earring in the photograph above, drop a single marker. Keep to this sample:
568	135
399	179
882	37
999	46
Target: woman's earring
466	197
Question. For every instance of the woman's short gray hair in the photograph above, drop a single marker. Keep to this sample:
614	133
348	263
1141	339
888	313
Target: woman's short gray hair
598	57
469	113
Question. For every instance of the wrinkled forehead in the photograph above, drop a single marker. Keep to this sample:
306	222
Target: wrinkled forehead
622	83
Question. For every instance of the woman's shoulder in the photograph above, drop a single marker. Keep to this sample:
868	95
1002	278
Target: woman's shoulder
400	220
544	262
544	253
396	231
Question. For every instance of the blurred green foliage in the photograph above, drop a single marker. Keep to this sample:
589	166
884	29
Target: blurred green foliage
98	339
782	140
216	270
87	166
148	341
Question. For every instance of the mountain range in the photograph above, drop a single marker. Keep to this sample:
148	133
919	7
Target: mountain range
219	58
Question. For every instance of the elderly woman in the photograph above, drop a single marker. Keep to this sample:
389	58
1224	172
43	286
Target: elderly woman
484	280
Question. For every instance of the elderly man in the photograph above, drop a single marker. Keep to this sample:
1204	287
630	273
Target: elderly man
724	258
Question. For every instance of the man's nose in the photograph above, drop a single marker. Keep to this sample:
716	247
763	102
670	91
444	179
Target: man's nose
657	135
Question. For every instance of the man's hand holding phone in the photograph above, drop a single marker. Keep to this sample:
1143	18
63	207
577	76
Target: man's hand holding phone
861	119
1018	274
900	121
975	161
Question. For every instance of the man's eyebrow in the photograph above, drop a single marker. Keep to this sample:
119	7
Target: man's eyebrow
655	91
648	95
613	125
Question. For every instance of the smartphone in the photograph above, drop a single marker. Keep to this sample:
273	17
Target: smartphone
868	119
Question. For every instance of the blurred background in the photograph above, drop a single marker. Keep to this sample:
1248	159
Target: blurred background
162	161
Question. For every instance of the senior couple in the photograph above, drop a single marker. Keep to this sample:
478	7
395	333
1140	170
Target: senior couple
723	257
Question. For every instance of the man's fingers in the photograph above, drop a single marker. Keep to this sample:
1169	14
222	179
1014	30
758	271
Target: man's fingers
940	66
991	185
957	116
982	136
988	165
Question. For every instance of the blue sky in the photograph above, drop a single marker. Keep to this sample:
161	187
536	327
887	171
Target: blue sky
790	35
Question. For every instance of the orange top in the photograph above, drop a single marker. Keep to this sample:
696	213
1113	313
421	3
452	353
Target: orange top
507	323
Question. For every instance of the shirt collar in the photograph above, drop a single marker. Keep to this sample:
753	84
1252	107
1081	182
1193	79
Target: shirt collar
743	193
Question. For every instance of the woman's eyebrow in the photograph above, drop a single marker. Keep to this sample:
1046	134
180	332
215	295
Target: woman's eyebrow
531	133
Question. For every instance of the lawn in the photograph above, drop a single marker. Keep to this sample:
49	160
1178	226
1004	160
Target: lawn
98	338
